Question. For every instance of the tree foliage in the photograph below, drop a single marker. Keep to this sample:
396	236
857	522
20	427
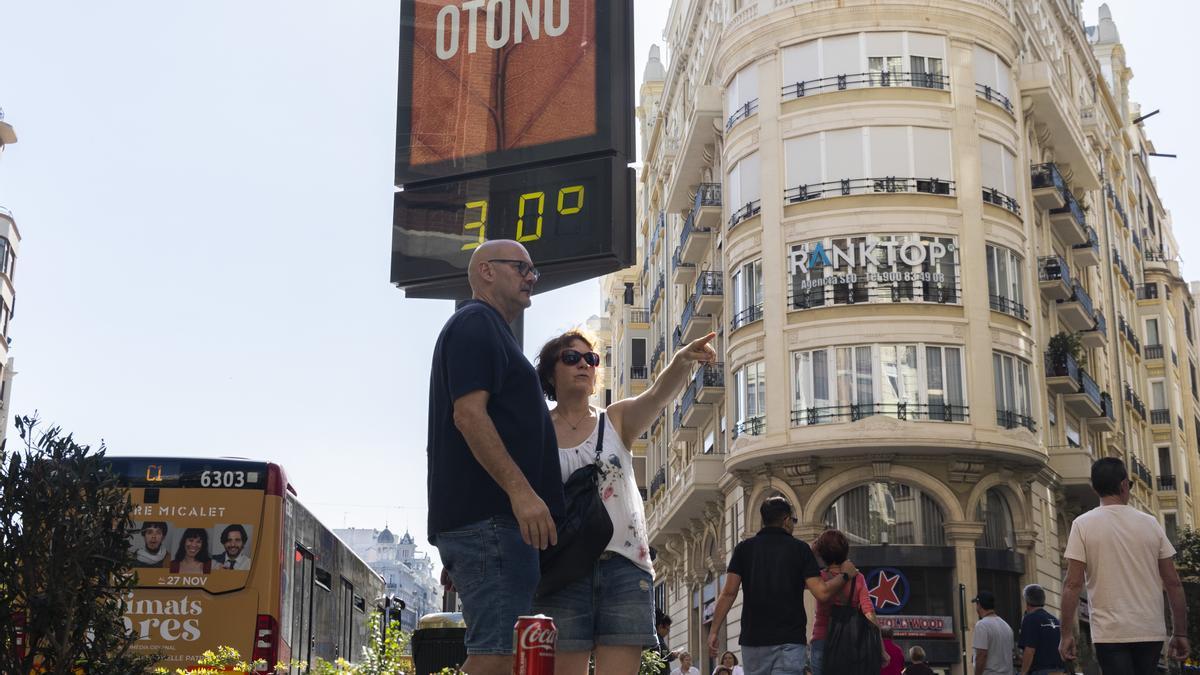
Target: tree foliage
1187	561
65	561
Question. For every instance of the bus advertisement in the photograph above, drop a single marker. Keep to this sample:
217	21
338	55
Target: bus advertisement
227	556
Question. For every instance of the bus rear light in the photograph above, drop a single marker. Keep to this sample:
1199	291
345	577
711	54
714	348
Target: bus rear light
266	643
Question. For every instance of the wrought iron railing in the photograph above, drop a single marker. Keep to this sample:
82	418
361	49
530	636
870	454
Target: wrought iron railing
748	210
658	482
998	198
863	186
1072	208
1054	268
1153	352
1093	241
1005	305
753	426
987	93
1047	176
1081	296
1148	291
829	414
639	372
747	316
1160	416
742	112
639	316
864	80
1010	419
710	282
677	258
1166	483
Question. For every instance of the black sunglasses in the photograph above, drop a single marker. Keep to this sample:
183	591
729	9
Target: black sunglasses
523	267
571	357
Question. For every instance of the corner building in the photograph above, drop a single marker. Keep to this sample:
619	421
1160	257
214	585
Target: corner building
943	284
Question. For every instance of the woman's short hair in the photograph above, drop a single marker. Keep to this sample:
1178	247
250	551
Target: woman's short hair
916	654
193	533
731	654
548	357
832	547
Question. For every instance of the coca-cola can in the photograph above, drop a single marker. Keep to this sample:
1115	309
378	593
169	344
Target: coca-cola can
534	639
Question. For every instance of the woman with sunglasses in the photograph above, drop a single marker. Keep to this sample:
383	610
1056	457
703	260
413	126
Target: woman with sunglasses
610	612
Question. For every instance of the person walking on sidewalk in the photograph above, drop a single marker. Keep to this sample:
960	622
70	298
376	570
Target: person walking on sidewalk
775	568
993	640
1125	559
494	484
1039	636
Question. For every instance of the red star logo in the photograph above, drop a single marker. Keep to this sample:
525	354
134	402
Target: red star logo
884	592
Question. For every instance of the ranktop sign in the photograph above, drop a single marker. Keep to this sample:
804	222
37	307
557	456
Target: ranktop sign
870	250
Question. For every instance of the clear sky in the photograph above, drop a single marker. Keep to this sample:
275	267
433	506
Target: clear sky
205	190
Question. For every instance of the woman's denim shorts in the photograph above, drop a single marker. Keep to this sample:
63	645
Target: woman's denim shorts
614	605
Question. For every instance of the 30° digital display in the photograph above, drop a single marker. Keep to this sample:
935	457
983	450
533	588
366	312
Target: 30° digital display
562	214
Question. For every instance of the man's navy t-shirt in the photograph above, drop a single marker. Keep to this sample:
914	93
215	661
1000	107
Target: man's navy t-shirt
774	567
1040	630
475	351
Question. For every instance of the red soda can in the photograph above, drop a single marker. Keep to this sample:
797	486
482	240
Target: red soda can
534	639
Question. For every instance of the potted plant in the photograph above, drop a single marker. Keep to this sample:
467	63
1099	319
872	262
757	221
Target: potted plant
1061	346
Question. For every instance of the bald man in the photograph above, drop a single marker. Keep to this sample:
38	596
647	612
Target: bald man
494	483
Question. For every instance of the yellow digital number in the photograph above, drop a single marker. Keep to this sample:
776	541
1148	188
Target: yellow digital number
480	225
576	190
541	201
153	473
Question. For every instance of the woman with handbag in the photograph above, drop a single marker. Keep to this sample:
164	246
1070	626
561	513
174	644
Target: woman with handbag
833	549
597	583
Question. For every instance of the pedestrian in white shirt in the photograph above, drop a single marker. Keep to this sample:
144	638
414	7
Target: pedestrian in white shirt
685	665
1125	559
993	639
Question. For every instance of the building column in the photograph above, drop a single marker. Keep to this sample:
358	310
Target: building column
964	536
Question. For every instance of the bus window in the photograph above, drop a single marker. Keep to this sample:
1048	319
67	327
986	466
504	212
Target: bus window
302	605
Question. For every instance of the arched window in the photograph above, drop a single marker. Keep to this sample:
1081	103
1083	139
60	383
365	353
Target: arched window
997	521
888	513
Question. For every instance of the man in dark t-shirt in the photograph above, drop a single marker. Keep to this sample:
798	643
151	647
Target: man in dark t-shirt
494	479
775	569
1039	636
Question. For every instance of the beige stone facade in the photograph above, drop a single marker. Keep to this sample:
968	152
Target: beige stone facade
887	210
10	242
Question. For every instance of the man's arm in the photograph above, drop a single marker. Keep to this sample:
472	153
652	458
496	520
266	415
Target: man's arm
980	660
824	591
533	516
725	600
1179	646
1072	587
1026	660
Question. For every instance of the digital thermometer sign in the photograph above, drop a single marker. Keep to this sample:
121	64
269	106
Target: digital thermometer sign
515	121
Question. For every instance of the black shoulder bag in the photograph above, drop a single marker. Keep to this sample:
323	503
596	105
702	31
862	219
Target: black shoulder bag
852	644
583	532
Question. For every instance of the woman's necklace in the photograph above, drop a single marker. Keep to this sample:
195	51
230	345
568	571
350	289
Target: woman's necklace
575	426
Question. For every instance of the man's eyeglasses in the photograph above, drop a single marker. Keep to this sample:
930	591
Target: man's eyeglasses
571	357
523	267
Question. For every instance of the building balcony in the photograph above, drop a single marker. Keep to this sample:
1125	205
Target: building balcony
1107	420
656	235
985	92
657	483
657	356
743	112
745	212
695	240
657	294
1054	278
868	186
1062	375
1131	338
1148	291
1122	268
921	412
1077	312
1086	403
683	431
1069	222
1011	419
1008	306
746	317
849	81
639	373
1074	468
1134	403
1153	352
691	490
682	273
639	318
1160	417
1141	472
693	324
751	426
997	198
1096	338
1088	253
702	114
1051	106
710	292
706	389
1049	187
1167	484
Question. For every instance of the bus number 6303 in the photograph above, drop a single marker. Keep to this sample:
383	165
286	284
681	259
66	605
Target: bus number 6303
226	479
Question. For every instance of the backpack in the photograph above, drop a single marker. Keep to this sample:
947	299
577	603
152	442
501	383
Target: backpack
852	643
